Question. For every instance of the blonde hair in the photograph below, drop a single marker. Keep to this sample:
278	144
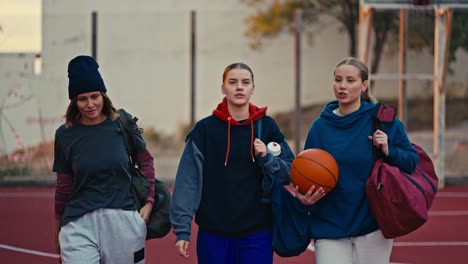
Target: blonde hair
237	65
363	72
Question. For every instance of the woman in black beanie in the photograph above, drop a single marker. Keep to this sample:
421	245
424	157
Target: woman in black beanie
96	217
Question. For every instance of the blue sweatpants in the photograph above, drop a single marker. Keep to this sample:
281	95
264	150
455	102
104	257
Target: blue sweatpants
251	249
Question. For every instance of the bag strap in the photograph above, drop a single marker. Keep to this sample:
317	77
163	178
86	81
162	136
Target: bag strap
381	115
259	128
267	180
128	132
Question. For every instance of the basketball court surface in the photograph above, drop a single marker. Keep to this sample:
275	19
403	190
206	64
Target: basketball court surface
26	232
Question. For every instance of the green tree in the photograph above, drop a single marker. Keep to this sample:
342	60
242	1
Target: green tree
274	17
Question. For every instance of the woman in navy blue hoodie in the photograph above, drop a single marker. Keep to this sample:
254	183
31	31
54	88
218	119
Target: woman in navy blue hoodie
342	224
219	179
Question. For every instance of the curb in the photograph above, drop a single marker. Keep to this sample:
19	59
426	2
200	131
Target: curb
50	180
456	180
27	181
18	181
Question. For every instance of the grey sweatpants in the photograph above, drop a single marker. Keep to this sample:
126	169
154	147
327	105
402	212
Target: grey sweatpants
104	236
372	248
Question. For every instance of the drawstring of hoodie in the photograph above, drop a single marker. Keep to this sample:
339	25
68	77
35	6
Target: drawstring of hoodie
229	141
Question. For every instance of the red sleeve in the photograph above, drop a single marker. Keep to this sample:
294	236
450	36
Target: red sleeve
63	190
146	164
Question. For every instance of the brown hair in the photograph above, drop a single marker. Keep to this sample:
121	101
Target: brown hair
72	114
237	65
364	73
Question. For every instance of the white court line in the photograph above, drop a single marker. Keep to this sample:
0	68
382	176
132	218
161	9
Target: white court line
26	195
311	247
444	213
430	244
452	194
28	251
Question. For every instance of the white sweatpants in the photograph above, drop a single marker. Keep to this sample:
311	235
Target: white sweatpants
104	236
372	248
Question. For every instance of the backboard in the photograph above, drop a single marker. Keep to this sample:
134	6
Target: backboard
407	4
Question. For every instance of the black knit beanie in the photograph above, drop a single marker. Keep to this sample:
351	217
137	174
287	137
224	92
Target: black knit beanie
84	76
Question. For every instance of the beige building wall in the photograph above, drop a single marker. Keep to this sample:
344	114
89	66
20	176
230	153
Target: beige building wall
18	103
143	51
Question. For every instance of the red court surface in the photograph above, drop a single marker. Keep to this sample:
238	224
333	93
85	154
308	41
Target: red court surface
26	232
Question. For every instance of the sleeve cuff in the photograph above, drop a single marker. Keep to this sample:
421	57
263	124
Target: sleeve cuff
150	199
183	236
391	154
267	159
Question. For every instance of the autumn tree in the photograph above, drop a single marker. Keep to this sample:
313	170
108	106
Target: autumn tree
274	17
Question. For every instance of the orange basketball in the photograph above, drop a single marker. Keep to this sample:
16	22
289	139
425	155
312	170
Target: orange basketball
314	167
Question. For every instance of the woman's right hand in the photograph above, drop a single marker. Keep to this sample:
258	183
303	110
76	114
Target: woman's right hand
182	248
310	197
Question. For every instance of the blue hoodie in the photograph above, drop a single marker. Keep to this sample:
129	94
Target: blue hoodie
344	212
218	178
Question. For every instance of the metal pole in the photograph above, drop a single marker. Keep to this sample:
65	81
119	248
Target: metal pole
402	97
94	34
442	33
365	26
297	59
39	111
192	65
3	145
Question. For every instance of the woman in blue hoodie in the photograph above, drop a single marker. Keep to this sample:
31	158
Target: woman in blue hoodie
344	229
219	179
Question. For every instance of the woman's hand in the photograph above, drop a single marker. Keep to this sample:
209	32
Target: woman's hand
182	248
310	197
260	148
380	140
146	211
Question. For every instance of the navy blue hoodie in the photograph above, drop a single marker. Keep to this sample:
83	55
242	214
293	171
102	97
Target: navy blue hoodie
218	178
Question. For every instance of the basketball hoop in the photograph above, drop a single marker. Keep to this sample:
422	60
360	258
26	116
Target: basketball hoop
443	15
421	2
414	4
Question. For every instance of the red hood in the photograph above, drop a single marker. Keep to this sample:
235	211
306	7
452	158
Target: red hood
255	112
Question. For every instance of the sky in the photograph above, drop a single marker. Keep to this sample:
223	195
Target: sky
20	26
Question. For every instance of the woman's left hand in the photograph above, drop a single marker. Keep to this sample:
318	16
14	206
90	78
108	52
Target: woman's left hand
380	140
146	211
